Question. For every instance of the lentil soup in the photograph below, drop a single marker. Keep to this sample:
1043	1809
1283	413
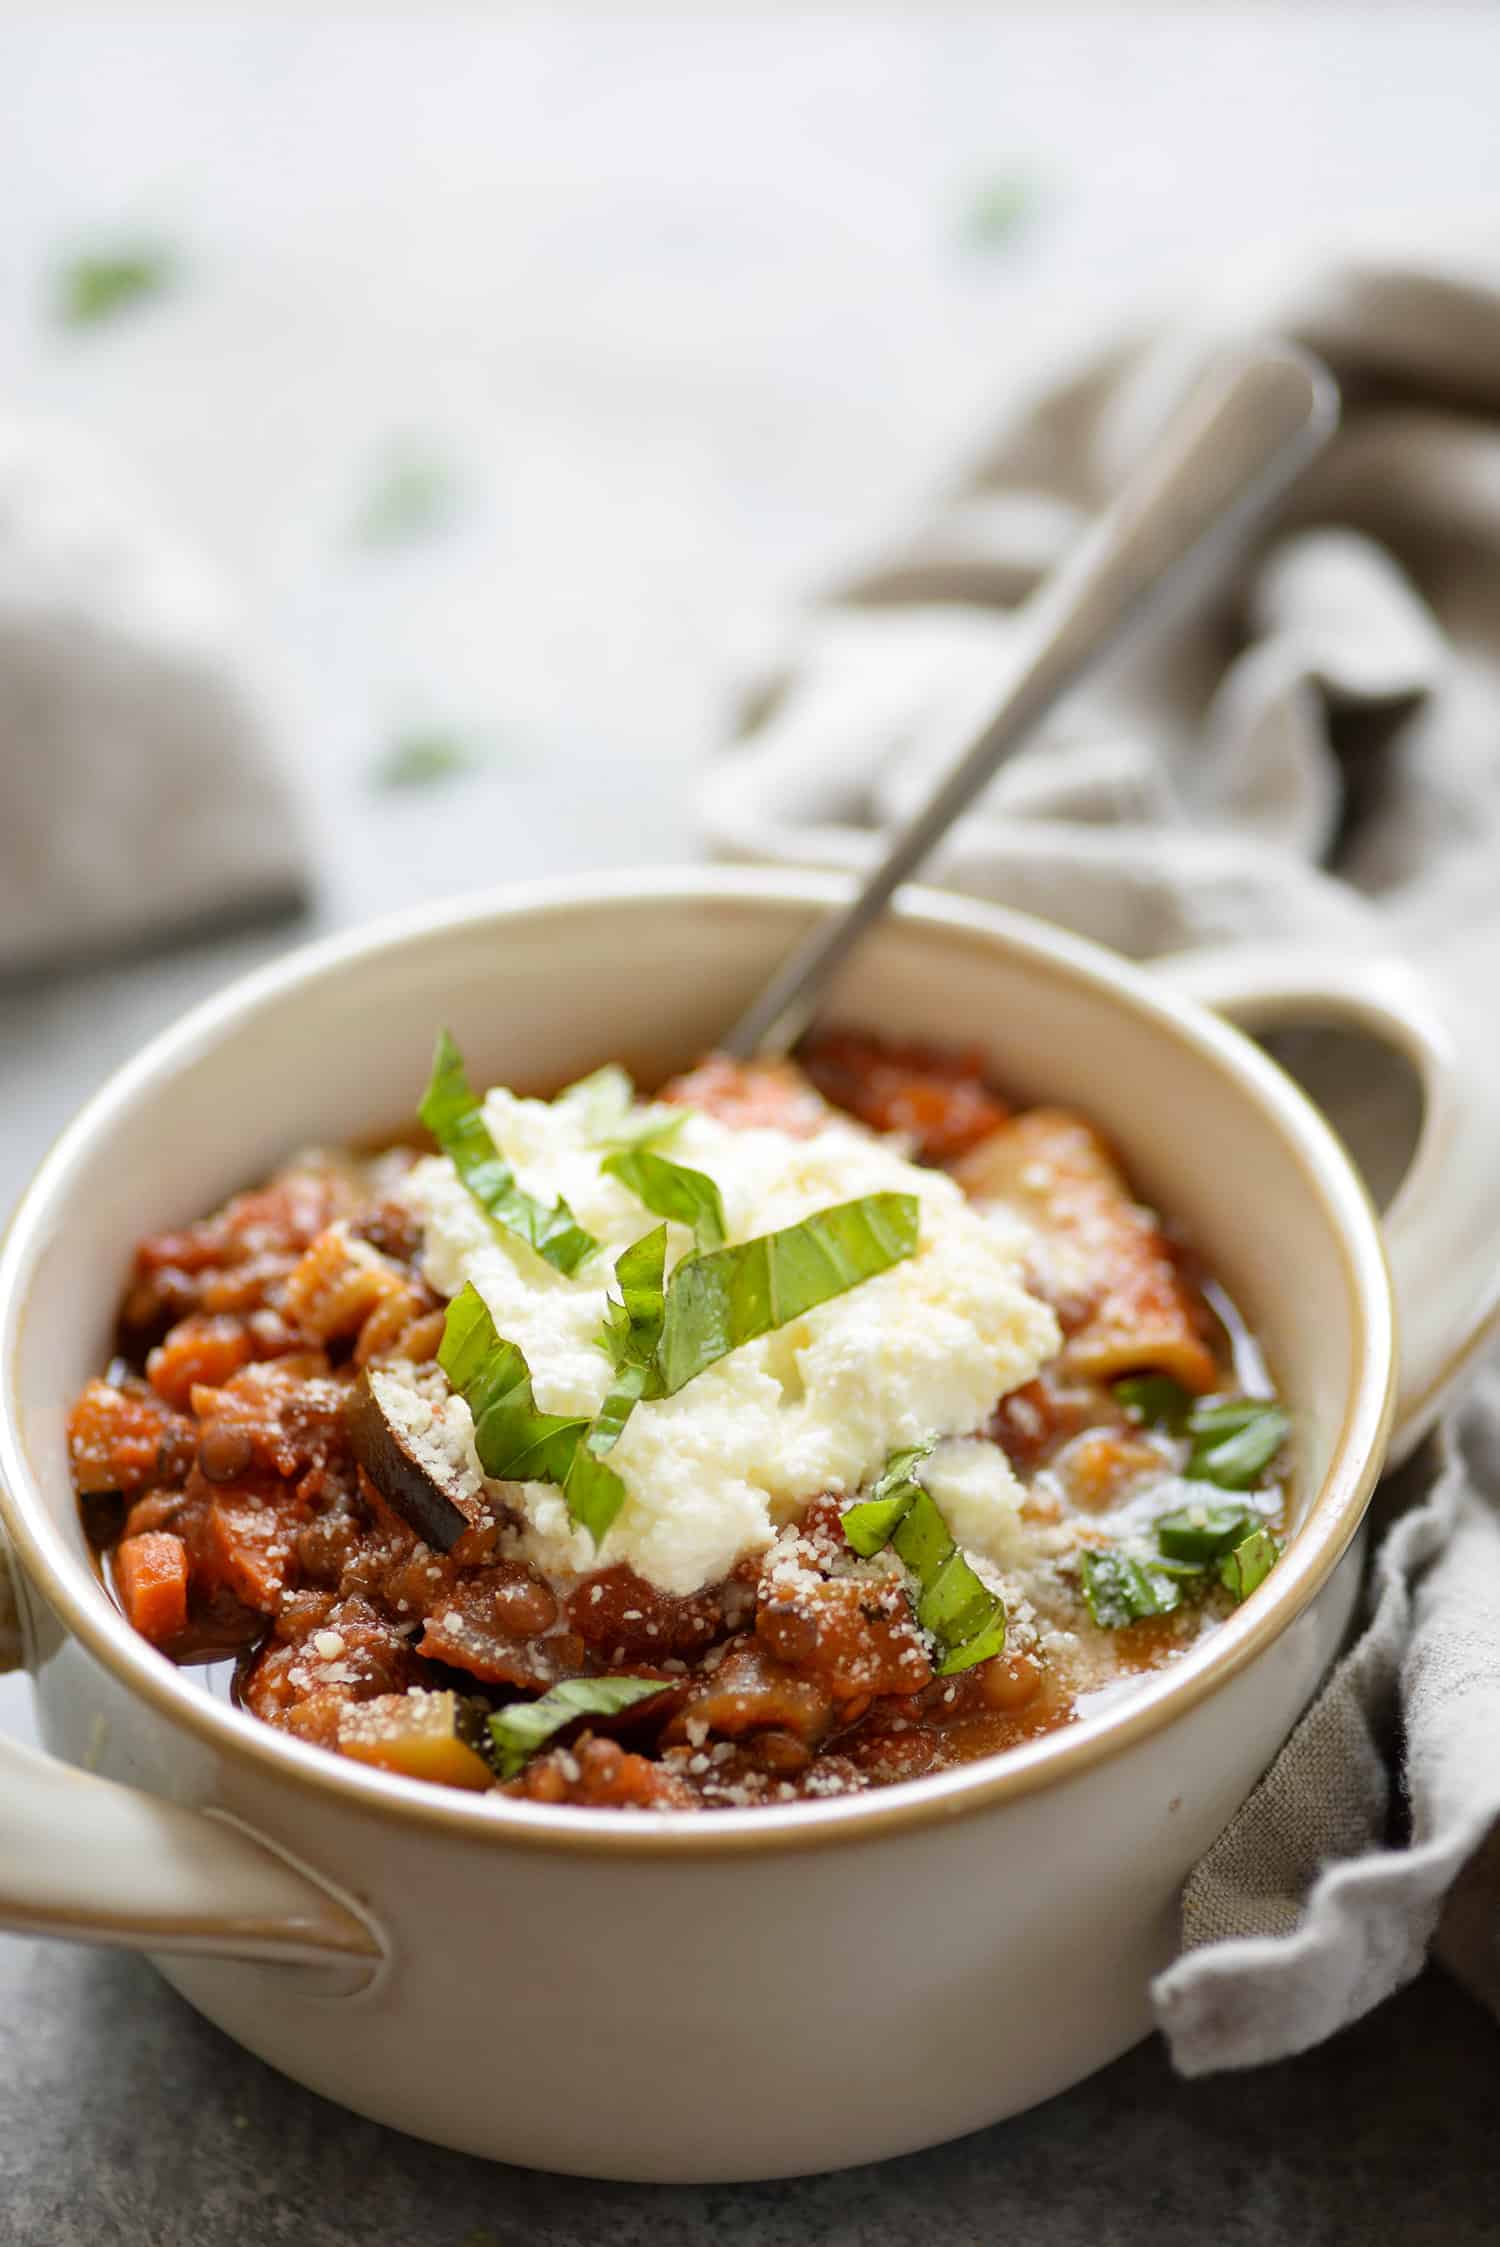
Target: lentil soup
806	1428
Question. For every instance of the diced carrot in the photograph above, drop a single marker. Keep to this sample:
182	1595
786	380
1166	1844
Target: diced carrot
248	1548
198	1350
152	1573
123	1439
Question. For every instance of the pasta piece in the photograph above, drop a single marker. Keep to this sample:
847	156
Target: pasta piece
342	1289
1100	1260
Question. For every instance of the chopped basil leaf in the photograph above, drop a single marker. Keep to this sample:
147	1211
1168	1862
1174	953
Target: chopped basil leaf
515	1442
1250	1563
632	1330
954	1606
603	1098
593	1492
95	285
415	494
1120	1590
606	1099
873	1521
633	1324
719	1301
996	210
670	1189
1235	1441
1156	1401
1234	1438
427	760
454	1117
631	1383
1202	1531
518	1731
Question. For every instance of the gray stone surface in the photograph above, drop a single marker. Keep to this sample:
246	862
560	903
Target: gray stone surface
131	2123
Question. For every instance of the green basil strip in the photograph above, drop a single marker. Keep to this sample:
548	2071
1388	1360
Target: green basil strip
1235	1441
593	1492
515	1442
454	1117
1250	1563
632	1330
670	1189
1155	1400
954	1606
1120	1590
606	1103
518	1731
632	1326
1203	1532
719	1301
602	1099
873	1522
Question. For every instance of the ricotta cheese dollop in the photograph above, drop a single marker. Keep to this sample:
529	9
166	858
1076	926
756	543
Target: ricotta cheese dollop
714	1472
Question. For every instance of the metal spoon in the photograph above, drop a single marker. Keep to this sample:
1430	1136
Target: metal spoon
1243	434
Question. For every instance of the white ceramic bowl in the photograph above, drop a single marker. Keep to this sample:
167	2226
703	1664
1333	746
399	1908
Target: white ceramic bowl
753	1993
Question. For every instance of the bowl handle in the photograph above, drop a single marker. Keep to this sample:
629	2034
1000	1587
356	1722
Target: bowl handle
98	1862
1442	1230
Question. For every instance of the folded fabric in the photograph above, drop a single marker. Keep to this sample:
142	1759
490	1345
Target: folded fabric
1330	707
1300	1918
1310	747
139	788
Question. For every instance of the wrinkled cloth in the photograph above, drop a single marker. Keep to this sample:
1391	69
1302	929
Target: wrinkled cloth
1307	747
141	792
1301	1917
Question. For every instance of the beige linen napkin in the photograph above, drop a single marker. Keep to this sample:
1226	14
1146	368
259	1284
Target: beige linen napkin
139	788
1310	747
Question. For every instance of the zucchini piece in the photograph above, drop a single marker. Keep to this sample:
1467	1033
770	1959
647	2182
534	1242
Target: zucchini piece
419	1734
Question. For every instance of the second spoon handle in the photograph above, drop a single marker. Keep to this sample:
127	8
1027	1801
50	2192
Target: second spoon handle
1242	436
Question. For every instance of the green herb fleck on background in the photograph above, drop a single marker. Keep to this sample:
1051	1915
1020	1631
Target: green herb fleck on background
415	495
95	285
431	758
997	210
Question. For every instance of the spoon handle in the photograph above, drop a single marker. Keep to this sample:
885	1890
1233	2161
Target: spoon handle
1242	436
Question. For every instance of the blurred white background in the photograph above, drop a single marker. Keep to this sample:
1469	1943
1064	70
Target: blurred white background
679	306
